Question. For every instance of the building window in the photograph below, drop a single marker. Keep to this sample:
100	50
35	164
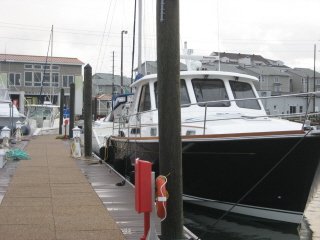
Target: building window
277	88
14	79
37	66
67	80
46	80
300	109
276	80
46	67
293	109
55	80
28	78
28	66
37	79
55	67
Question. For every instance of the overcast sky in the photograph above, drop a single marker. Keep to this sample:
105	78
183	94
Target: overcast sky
91	30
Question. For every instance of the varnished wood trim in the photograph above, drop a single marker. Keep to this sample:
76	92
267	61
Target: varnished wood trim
229	135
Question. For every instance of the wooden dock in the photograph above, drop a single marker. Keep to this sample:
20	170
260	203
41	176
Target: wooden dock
49	198
54	196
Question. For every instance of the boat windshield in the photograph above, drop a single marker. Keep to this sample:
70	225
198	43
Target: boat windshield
184	96
39	112
207	90
242	90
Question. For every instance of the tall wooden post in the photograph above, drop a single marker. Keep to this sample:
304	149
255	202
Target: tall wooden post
61	110
168	55
72	106
87	110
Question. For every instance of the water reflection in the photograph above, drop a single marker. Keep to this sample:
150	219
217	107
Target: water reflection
238	227
313	215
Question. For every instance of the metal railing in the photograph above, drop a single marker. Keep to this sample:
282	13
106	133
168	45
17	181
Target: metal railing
126	124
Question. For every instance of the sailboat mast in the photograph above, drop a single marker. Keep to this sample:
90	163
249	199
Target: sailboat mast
51	83
139	36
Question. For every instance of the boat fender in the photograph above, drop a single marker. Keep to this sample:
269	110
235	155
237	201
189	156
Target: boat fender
162	196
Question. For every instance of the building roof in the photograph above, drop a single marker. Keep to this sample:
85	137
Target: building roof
266	70
224	67
304	72
183	67
39	59
237	56
108	79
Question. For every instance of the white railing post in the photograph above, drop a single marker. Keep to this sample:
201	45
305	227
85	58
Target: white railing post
5	134
205	119
18	131
76	145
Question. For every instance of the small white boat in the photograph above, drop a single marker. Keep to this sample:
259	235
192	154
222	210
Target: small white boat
9	113
43	118
103	128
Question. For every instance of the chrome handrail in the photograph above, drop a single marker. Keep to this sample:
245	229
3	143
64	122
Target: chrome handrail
137	116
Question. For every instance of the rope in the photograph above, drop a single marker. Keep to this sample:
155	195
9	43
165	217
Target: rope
164	194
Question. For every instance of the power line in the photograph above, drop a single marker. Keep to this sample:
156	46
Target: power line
108	35
104	30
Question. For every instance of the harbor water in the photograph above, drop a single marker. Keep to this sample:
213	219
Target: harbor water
235	227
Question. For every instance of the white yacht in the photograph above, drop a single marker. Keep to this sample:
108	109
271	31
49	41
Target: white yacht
234	156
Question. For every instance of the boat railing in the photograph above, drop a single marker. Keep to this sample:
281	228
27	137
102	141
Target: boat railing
132	123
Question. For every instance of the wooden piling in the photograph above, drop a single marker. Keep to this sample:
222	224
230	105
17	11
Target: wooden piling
87	110
61	110
168	55
72	106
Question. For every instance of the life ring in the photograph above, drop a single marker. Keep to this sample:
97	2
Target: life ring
162	196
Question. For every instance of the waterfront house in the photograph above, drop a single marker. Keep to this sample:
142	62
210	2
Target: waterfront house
38	78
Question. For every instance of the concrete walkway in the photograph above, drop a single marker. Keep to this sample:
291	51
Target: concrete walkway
49	198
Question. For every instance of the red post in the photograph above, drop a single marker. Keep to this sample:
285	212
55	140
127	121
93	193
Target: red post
143	193
146	218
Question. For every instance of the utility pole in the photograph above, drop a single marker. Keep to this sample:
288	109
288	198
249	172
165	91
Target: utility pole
112	74
314	77
170	149
122	32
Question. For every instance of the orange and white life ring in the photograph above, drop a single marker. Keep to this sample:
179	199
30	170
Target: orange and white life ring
162	196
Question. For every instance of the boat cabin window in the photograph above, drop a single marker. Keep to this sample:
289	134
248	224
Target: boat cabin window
39	112
207	90
184	96
145	101
243	90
